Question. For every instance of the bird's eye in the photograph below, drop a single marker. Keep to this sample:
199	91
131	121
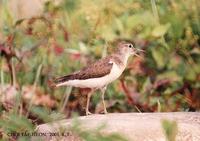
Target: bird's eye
130	45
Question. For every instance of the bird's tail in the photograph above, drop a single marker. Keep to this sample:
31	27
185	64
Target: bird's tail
56	82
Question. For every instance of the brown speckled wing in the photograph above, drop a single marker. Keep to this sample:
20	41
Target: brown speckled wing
95	70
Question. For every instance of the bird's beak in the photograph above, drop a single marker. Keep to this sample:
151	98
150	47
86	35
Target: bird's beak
137	51
140	50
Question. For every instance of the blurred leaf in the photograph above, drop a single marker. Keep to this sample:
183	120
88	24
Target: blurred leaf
6	16
170	129
144	18
176	26
108	33
18	22
190	73
160	30
146	85
21	121
171	75
119	25
70	5
16	123
159	57
41	113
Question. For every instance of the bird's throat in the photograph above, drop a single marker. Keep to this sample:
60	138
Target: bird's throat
122	58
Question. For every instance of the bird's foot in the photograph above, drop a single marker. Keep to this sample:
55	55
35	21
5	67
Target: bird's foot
88	113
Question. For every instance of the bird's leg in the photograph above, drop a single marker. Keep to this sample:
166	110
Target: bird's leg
102	97
88	102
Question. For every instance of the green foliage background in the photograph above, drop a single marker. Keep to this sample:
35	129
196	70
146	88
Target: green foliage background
69	35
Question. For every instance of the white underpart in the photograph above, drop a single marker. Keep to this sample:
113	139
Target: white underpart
100	82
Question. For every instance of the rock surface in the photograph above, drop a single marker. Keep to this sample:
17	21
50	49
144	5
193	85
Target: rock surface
134	126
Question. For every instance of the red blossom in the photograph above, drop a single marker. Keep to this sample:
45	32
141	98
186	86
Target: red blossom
58	50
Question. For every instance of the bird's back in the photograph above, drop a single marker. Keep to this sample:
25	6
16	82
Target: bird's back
95	70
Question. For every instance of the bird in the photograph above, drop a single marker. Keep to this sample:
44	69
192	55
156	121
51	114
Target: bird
99	74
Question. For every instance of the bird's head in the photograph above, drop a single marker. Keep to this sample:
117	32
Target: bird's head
128	48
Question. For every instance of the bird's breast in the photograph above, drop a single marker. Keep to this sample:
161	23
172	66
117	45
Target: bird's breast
115	72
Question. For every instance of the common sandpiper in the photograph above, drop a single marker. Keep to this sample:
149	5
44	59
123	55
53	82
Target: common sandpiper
98	75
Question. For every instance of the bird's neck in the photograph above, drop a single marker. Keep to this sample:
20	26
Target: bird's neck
122	57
